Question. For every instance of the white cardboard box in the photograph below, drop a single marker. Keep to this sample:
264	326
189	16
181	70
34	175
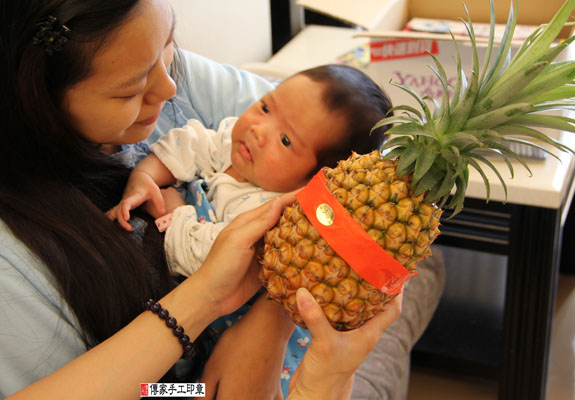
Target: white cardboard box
402	57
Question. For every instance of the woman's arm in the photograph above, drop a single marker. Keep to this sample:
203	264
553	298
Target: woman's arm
145	349
141	352
248	358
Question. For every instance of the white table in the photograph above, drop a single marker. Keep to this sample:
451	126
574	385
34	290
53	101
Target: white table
532	221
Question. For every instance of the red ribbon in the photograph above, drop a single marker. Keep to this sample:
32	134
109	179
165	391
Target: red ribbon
348	239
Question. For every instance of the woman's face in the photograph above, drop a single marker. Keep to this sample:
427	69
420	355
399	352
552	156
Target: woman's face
276	142
121	99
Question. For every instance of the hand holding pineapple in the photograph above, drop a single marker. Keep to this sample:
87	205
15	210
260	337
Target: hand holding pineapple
397	198
333	357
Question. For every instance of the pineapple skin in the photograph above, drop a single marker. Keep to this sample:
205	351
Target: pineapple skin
295	255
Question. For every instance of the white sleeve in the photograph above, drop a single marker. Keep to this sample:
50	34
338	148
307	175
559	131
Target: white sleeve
193	150
188	242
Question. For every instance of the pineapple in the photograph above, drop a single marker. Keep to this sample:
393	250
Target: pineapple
397	198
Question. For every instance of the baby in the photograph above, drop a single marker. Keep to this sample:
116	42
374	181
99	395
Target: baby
312	119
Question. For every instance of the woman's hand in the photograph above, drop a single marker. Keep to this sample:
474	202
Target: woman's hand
230	271
248	358
332	358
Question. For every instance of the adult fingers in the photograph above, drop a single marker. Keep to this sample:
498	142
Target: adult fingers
288	199
384	319
312	314
253	224
372	330
252	282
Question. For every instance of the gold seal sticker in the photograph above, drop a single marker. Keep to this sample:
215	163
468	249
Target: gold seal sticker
348	239
324	214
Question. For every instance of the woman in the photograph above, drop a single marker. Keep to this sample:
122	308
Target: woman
81	79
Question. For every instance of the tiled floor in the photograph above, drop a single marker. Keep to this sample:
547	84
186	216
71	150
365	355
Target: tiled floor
561	379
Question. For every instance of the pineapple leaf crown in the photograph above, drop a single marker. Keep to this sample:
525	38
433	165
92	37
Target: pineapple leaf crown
489	109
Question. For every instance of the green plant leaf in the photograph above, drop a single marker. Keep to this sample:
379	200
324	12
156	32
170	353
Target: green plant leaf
417	98
430	179
502	54
475	165
424	162
500	94
553	95
497	117
409	129
442	121
398	143
558	76
406	162
459	196
461	84
547	121
539	46
409	109
490	165
518	130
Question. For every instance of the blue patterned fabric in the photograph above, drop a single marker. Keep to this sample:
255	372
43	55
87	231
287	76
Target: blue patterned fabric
196	196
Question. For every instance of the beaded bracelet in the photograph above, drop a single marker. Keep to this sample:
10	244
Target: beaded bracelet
177	330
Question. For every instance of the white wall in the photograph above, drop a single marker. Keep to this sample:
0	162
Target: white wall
228	31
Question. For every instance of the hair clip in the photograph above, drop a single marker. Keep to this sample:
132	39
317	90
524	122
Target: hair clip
51	35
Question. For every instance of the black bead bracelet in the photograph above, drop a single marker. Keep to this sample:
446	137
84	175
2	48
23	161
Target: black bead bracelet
177	330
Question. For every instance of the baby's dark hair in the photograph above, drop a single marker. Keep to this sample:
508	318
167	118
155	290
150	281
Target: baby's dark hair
355	96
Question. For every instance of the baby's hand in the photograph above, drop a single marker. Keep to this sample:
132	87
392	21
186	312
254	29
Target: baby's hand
141	189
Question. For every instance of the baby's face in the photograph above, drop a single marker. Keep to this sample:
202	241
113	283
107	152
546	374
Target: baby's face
276	141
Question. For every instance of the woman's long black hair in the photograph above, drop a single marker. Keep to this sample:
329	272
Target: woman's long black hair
54	185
